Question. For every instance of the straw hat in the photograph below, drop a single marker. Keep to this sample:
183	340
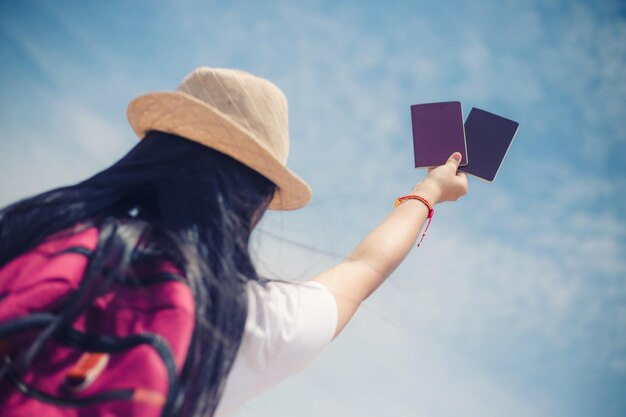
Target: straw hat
234	112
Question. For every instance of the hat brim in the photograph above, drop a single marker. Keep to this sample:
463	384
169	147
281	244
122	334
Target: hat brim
184	115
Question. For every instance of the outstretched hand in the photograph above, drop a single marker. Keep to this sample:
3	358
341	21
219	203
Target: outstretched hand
443	183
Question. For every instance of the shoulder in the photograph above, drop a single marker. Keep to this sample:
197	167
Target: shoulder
288	325
289	317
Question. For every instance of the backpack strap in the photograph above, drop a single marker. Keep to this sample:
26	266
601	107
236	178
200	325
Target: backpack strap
104	345
152	279
113	344
19	383
81	250
139	395
73	306
87	369
21	324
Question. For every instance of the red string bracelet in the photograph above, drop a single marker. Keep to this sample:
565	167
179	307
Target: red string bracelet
431	210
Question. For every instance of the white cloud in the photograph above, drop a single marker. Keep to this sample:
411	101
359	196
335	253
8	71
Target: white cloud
66	143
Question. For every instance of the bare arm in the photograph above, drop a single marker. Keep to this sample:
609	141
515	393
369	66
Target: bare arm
380	253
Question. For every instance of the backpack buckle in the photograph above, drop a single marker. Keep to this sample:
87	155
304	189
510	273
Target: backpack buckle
87	369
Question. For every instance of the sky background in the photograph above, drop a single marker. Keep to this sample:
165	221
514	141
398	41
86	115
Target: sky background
516	302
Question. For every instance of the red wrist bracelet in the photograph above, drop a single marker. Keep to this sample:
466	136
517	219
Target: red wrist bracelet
431	210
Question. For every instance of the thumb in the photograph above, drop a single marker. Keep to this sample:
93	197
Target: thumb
455	159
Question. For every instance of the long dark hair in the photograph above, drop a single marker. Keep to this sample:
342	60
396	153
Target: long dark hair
187	202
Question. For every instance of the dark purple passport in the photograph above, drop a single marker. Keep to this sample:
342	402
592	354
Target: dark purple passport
489	137
437	133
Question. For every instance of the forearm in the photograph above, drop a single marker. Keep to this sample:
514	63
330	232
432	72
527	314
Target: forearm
377	256
388	244
380	253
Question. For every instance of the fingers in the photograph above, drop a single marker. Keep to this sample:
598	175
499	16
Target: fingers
455	159
451	183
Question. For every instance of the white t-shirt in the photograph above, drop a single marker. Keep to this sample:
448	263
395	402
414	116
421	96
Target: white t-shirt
288	324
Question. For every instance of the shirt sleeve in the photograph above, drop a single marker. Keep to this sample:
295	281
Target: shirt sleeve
287	326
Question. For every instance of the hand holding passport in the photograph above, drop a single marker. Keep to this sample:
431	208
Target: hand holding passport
483	140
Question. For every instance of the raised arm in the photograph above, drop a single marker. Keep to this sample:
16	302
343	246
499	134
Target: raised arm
380	253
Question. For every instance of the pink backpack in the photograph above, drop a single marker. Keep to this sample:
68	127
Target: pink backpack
120	357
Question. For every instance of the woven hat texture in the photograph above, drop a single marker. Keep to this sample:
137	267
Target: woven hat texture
234	112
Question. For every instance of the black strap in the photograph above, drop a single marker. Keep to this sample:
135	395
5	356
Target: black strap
22	324
73	306
81	250
150	280
92	343
112	344
19	325
122	394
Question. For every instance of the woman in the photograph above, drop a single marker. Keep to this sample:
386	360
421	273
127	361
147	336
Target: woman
211	160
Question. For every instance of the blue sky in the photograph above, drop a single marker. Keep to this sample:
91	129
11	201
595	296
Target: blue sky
515	304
